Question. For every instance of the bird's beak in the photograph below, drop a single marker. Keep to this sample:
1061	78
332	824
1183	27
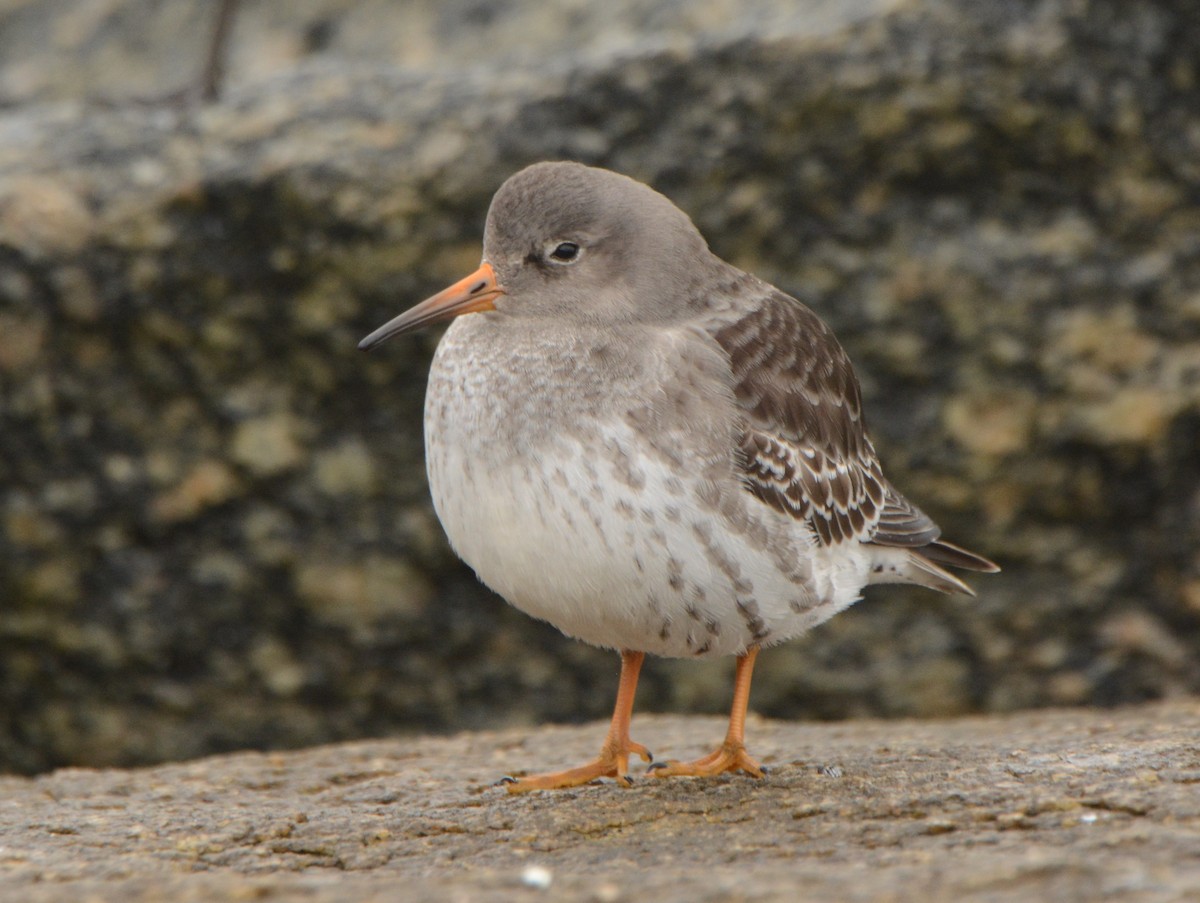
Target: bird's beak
467	296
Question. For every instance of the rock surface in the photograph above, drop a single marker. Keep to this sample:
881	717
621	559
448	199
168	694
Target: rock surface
214	529
1054	805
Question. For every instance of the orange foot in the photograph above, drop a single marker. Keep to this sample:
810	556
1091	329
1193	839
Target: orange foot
613	762
730	755
727	757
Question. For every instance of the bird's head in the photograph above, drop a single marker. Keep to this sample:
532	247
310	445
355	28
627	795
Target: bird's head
578	244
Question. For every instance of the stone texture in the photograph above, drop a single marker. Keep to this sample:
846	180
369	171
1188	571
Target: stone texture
214	529
1054	805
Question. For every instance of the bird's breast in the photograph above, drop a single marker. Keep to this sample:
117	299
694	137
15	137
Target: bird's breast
592	504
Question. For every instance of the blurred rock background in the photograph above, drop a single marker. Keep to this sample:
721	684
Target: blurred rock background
214	527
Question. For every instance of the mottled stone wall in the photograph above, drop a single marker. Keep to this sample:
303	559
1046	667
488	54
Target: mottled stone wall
214	529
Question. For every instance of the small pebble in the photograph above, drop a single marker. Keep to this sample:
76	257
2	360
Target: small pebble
536	876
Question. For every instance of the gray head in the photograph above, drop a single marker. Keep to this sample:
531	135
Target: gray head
578	243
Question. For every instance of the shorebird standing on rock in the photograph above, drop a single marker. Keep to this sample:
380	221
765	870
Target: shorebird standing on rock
652	450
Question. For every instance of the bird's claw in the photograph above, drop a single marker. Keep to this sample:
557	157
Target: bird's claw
729	757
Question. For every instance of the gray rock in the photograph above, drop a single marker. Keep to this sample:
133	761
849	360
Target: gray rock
1055	805
214	529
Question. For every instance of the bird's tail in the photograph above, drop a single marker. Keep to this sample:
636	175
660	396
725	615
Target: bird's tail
923	566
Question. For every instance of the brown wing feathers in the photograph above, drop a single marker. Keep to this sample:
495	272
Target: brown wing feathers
804	449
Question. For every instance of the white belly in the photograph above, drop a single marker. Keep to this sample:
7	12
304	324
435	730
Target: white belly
625	566
588	528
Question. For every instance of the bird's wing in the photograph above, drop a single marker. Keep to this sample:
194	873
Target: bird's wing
804	447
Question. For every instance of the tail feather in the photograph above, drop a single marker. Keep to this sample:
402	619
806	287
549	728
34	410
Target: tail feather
925	573
923	566
949	554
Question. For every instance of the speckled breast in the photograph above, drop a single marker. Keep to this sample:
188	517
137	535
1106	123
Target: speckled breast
553	495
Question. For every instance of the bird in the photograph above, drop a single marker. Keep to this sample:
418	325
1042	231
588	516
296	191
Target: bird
651	449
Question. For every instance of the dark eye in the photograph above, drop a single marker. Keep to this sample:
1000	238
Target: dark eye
566	252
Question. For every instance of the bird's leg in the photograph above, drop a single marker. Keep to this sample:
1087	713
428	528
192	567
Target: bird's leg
613	761
730	755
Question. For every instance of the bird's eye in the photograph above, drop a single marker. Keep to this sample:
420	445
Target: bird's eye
565	252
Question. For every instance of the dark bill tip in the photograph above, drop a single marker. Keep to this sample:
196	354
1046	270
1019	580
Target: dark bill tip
473	294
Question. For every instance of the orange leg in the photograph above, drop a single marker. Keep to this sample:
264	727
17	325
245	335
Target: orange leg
730	755
613	761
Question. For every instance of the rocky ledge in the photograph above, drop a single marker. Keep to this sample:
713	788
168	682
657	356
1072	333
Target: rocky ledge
214	528
1057	804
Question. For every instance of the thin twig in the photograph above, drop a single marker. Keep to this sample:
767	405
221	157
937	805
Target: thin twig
218	50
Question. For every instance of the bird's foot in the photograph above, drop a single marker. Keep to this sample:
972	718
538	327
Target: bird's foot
613	762
727	757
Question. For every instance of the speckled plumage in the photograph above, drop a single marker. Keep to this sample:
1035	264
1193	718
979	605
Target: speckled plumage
647	447
592	504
